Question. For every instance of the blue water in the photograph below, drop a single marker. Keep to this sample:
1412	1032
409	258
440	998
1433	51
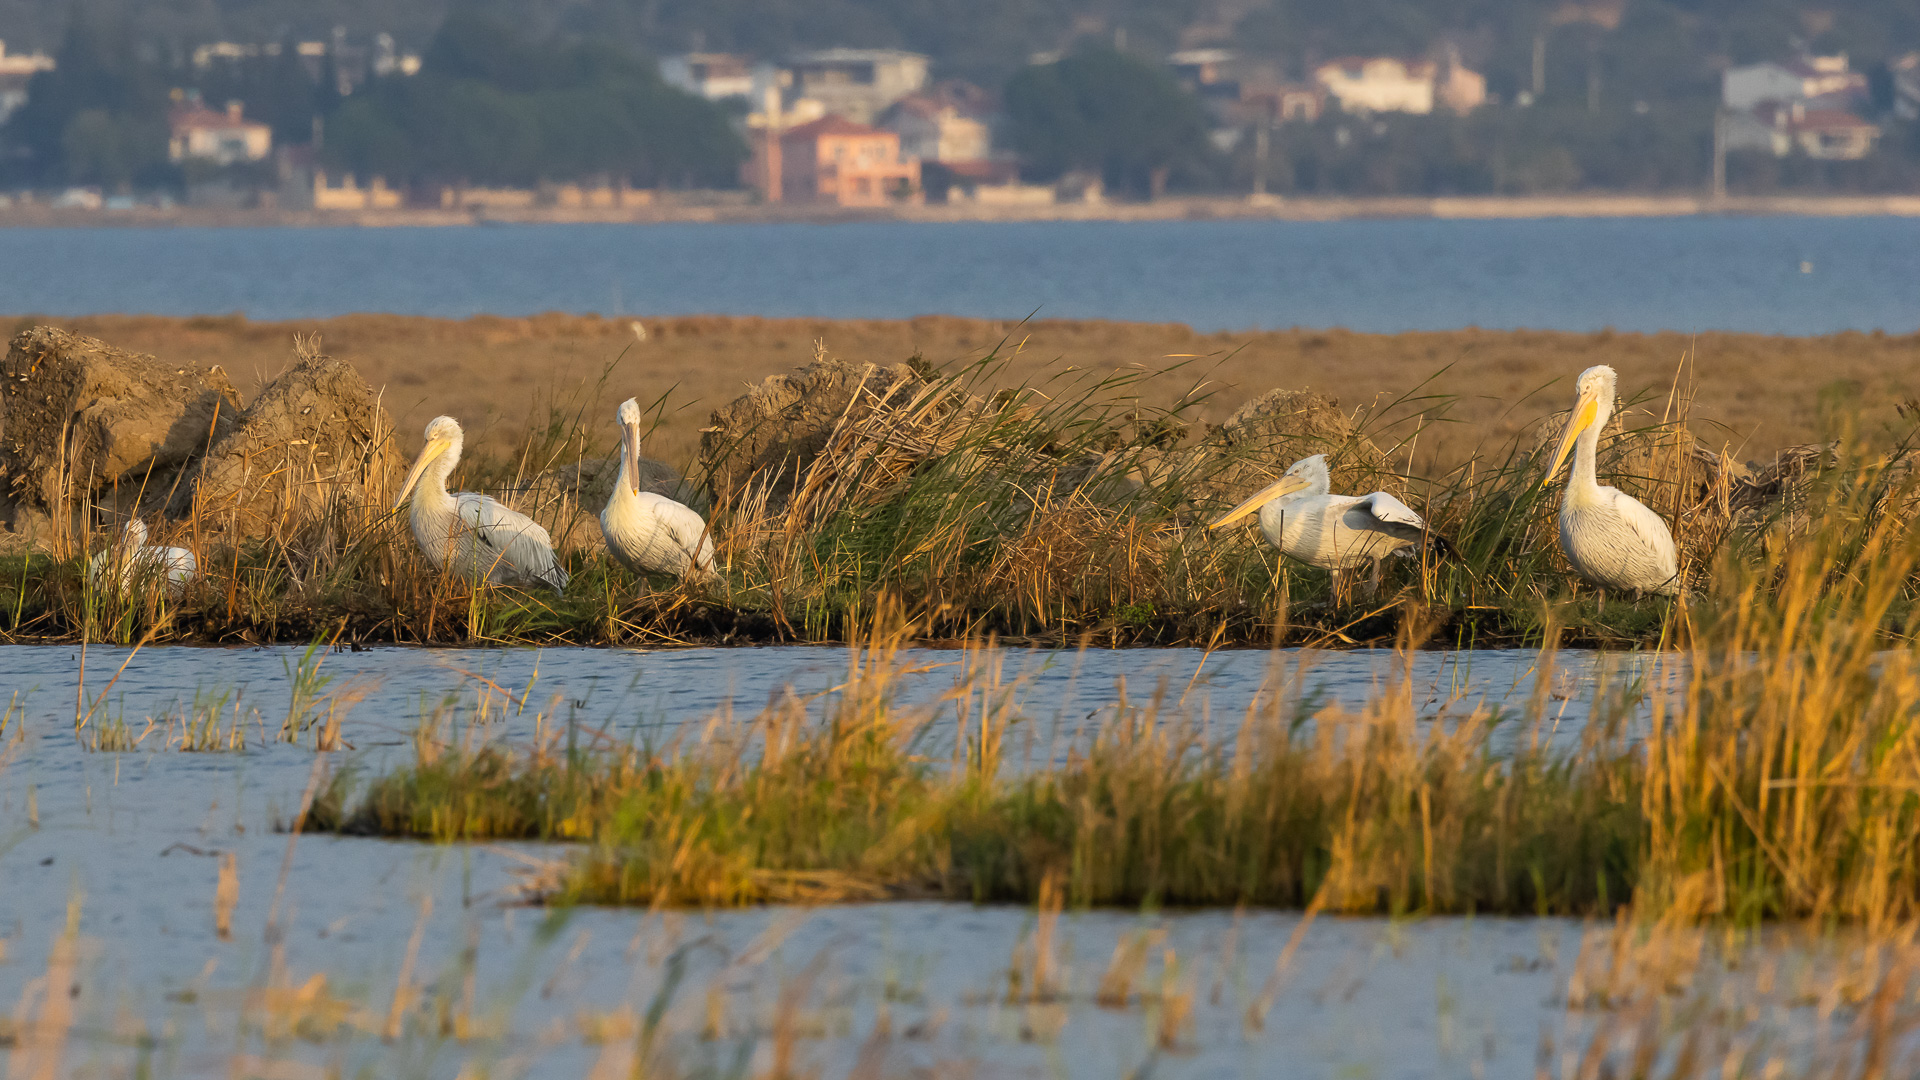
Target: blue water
1762	274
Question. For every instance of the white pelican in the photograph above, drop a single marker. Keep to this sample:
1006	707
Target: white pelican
1305	520
136	562
1610	537
468	533
650	532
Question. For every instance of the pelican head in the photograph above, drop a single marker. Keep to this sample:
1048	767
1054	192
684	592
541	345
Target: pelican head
443	437
1307	474
629	416
134	537
1596	388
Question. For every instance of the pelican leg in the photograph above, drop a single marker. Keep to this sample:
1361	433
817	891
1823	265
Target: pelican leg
1373	581
1601	607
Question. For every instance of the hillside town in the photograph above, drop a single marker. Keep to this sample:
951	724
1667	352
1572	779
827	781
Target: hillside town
322	125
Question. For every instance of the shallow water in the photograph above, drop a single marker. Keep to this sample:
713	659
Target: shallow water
131	841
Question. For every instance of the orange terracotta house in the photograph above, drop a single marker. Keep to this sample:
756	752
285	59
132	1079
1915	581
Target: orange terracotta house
838	162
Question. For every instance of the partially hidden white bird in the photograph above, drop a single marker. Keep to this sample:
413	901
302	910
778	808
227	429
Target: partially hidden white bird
1611	538
136	561
1305	520
649	532
468	533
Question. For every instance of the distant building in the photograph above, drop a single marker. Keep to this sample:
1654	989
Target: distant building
1387	84
1282	102
834	161
16	70
342	193
1206	72
950	122
1801	79
857	84
718	76
1780	128
226	138
1378	84
1906	86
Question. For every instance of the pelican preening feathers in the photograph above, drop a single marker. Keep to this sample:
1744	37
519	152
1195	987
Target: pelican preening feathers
649	532
131	561
1300	516
470	534
1610	537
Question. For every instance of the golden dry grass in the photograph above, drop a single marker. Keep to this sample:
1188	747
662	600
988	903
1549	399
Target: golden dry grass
1754	393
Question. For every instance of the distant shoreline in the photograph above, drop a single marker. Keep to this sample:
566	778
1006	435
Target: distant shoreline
1193	208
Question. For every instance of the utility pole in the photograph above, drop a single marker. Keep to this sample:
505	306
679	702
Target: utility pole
773	144
1593	75
1719	154
1260	138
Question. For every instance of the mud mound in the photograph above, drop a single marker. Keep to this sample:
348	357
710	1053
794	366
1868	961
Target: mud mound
775	430
78	417
572	496
315	445
1266	435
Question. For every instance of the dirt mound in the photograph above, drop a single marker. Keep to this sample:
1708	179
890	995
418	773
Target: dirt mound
572	496
80	417
315	445
1266	435
776	429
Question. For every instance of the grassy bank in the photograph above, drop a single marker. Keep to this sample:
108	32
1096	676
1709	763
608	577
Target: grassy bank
1065	511
1767	769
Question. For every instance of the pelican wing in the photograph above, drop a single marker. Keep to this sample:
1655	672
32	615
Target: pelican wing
653	532
1658	553
1391	516
515	544
688	530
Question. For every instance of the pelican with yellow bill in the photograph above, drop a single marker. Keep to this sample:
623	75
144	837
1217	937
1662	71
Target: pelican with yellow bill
470	534
1611	538
648	532
1300	516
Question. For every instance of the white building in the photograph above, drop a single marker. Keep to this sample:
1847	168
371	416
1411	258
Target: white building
1804	79
953	121
857	84
1780	128
225	138
16	70
1386	84
718	76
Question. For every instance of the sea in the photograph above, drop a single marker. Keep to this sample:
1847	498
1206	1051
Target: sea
1774	275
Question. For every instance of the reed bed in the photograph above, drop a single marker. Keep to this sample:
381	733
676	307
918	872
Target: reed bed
1769	767
1058	512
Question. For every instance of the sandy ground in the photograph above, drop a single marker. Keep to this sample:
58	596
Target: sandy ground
1752	393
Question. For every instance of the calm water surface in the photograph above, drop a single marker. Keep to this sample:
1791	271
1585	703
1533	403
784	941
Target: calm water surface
132	839
1763	274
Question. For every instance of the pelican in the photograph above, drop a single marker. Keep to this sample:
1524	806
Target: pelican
1610	537
649	532
136	561
469	533
1305	520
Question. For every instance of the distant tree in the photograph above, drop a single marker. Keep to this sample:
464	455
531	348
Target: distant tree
1109	113
96	114
491	107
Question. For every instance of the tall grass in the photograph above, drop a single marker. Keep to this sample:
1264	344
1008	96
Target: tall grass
1055	512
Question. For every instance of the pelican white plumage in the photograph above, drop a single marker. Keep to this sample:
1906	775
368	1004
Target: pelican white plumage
1305	520
135	561
470	534
1610	537
649	532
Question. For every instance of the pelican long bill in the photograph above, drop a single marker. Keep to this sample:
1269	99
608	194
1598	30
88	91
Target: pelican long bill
631	439
1286	485
1583	417
433	450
